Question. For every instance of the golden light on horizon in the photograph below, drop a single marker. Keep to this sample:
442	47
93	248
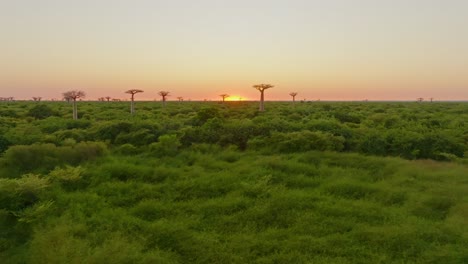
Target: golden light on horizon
236	98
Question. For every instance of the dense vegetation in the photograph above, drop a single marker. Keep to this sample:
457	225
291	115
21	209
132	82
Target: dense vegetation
197	182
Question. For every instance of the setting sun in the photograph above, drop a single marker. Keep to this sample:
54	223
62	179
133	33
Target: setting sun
236	98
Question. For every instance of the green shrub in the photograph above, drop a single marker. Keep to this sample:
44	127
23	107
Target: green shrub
4	144
300	141
127	149
45	157
167	145
41	111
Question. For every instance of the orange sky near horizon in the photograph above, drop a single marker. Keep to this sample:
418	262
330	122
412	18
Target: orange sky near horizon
328	50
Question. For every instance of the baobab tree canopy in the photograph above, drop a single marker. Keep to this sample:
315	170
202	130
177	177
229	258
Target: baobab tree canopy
163	93
134	91
293	94
74	94
261	87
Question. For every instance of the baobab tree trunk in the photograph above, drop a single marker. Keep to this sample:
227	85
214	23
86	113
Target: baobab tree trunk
75	110
262	97
132	106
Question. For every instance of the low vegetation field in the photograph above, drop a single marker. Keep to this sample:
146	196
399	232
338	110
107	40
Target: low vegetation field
206	182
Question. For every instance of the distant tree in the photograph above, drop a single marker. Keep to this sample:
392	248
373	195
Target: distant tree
108	98
101	99
224	96
432	99
293	94
262	87
180	98
73	96
132	104
164	94
37	99
420	99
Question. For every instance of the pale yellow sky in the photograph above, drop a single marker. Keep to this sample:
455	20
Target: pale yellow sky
332	50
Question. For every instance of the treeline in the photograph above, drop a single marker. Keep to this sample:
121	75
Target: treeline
410	130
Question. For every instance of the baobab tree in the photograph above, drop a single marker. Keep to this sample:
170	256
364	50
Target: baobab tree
108	98
224	96
164	94
432	99
420	99
37	99
180	98
293	94
132	104
262	87
73	96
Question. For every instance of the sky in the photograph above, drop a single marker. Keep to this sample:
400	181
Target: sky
327	50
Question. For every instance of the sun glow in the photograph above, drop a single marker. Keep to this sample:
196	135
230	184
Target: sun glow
235	98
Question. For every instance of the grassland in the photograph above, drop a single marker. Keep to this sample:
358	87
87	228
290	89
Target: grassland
223	183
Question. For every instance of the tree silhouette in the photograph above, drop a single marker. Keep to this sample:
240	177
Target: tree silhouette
72	96
420	99
108	98
432	99
164	94
132	104
37	99
262	87
293	94
180	98
224	96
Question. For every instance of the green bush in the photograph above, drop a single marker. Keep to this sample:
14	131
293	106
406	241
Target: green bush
41	111
127	149
4	144
300	141
167	145
45	157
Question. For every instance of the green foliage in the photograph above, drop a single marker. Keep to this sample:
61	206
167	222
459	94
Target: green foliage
17	194
41	111
35	213
4	144
223	183
44	157
205	114
300	141
67	177
167	145
127	149
434	208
